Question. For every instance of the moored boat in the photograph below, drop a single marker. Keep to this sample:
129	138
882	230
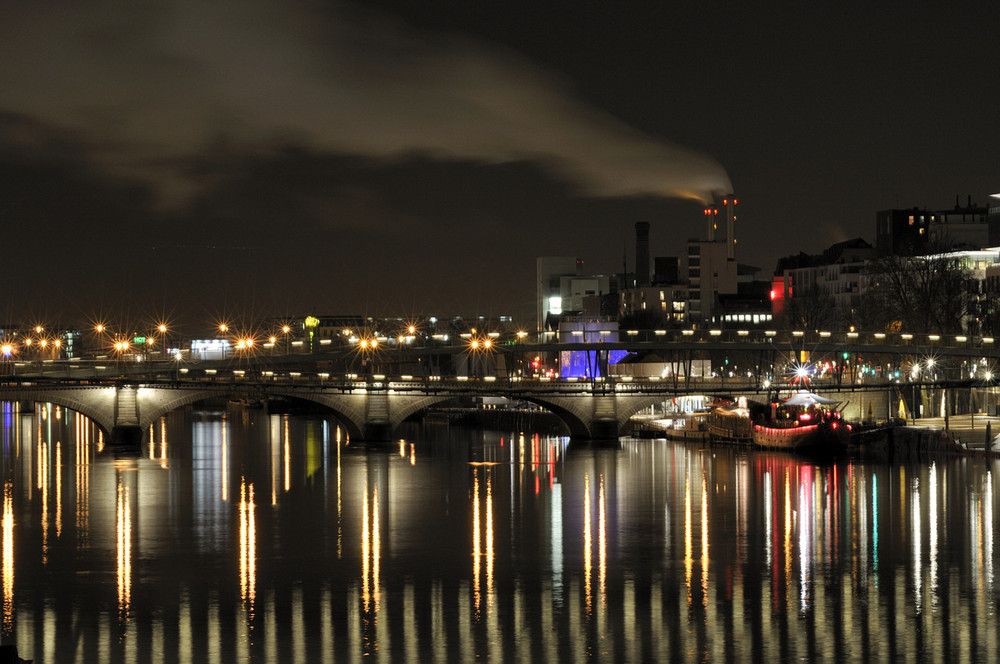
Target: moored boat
804	422
731	424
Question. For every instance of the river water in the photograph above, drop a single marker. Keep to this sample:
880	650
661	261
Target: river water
235	535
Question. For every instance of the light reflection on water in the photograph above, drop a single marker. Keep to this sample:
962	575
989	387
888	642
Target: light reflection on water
236	536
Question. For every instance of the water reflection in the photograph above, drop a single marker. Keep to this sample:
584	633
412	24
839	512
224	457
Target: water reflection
508	546
8	562
123	526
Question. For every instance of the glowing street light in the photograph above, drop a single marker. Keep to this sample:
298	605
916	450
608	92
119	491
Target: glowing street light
6	352
479	348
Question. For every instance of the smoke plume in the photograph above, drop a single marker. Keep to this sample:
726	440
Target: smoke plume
145	85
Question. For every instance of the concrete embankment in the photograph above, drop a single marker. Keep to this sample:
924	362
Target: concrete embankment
908	443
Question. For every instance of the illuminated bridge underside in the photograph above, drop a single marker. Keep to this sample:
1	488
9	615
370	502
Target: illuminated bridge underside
366	415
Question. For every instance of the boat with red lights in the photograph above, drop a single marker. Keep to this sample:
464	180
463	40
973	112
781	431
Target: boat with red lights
803	422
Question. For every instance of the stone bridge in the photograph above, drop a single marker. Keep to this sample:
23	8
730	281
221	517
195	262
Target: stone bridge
367	410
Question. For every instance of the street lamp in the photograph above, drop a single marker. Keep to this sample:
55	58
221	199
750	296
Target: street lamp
368	348
163	329
121	348
479	349
7	352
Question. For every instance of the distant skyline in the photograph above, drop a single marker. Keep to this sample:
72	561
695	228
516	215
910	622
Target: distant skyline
194	159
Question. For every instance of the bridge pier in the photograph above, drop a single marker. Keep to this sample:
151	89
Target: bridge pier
126	430
377	427
377	432
604	423
604	429
126	435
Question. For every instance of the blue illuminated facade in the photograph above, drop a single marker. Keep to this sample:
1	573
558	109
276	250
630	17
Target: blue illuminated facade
587	363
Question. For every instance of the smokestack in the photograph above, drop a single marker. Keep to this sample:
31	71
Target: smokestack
642	253
729	205
712	221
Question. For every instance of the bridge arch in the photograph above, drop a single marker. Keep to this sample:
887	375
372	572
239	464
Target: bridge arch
631	405
348	409
95	403
406	406
156	402
571	413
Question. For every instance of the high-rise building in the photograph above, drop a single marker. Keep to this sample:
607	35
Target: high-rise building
710	265
550	270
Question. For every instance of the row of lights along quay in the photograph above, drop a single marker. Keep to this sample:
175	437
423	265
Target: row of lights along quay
483	348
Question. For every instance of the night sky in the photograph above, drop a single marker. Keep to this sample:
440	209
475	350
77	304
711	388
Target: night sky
199	159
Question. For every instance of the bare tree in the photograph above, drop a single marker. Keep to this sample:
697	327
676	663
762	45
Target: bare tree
924	294
814	309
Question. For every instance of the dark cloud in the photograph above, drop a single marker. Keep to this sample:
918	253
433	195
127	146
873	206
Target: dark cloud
298	156
151	82
395	156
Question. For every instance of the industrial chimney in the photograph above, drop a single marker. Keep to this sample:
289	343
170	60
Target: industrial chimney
729	206
642	253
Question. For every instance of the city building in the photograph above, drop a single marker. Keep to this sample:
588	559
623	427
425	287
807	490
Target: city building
563	289
709	273
820	290
710	267
663	305
588	329
749	307
915	231
651	302
549	272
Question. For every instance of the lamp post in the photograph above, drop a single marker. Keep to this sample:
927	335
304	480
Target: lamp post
121	348
6	353
479	349
162	329
368	347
